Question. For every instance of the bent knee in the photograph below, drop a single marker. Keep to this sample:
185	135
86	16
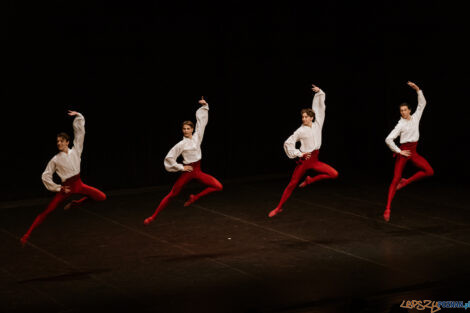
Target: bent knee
430	171
102	197
334	174
219	187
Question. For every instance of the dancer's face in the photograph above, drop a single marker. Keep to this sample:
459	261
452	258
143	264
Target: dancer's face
405	112
307	119
62	144
187	131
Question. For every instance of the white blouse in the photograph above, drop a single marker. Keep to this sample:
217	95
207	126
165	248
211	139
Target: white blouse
309	137
189	148
66	164
408	130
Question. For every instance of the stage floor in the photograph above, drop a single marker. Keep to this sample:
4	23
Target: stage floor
329	251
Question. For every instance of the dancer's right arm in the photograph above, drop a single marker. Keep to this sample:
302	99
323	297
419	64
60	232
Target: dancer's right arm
47	177
391	143
171	165
289	146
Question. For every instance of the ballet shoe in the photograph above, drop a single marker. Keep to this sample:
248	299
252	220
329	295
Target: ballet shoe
70	205
274	212
148	220
24	239
387	215
305	182
401	184
190	200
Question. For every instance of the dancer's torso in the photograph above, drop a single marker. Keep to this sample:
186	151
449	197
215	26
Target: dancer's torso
67	164
191	149
409	129
309	137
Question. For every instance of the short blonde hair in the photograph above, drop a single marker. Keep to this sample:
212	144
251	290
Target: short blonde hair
188	123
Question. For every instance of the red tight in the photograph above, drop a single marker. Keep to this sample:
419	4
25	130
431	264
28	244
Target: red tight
326	172
425	170
185	177
76	187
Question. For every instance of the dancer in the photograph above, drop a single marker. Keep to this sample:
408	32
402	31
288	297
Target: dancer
66	164
309	135
408	130
190	148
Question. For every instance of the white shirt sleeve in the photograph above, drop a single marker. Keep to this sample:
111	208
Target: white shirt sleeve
421	105
391	137
202	117
170	160
47	177
289	146
78	133
318	106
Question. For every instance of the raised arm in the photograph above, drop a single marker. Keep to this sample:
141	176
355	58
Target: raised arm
421	100
78	131
318	105
289	146
47	177
202	117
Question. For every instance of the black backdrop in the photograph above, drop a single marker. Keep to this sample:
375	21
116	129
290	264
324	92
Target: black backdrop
136	70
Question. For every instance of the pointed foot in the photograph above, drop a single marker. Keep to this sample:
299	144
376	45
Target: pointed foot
24	240
69	205
274	212
387	215
190	201
148	220
305	182
401	184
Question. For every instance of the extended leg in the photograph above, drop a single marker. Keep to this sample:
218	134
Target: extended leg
89	192
58	198
180	182
399	166
208	180
425	170
296	176
326	172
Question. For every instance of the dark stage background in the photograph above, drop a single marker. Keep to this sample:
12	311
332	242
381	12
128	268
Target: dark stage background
136	70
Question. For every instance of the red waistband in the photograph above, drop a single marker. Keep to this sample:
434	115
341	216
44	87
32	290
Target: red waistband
72	179
313	156
196	164
409	145
313	153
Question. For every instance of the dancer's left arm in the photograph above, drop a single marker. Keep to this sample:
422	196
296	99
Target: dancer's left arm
318	105
78	131
202	117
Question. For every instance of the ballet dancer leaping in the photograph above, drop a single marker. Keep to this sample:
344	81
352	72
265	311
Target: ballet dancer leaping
66	164
190	149
408	130
309	135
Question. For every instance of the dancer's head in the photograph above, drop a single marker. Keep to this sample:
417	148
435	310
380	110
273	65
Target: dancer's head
63	142
405	110
308	116
188	128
